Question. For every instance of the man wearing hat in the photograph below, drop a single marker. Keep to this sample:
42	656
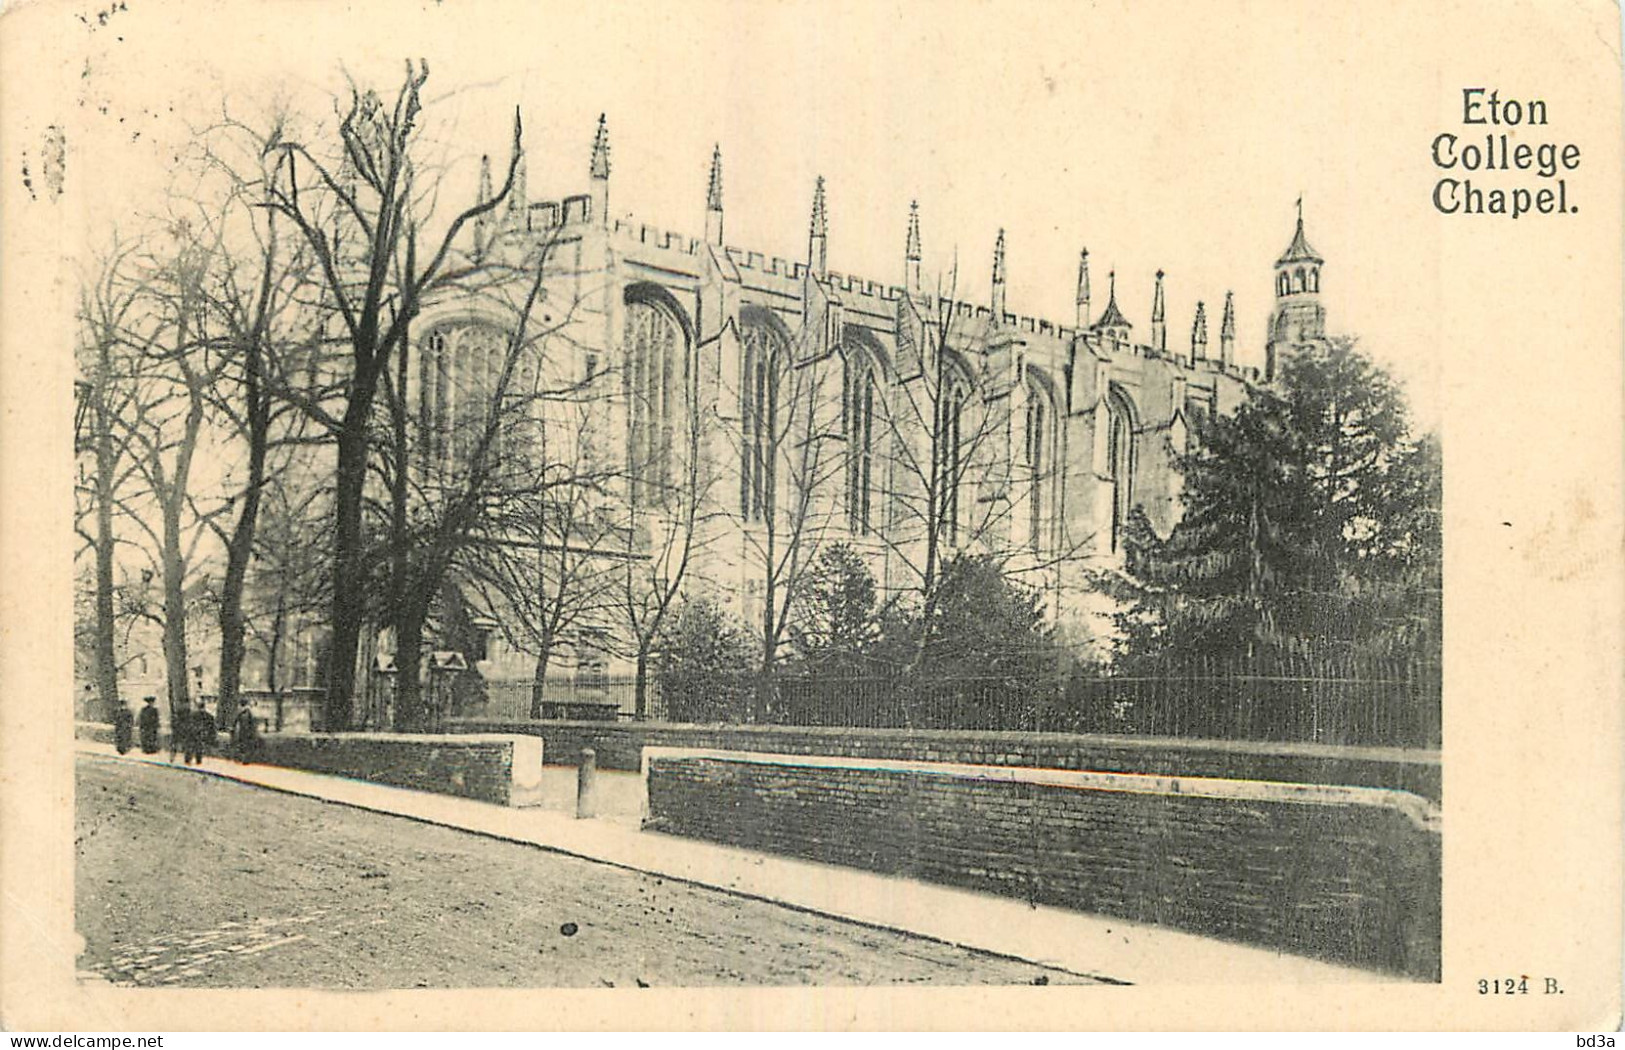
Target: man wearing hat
149	726
123	724
200	732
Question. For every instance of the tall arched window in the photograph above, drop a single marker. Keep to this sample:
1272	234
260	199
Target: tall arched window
858	429
460	370
479	357
656	351
432	358
761	362
1120	461
950	452
1040	435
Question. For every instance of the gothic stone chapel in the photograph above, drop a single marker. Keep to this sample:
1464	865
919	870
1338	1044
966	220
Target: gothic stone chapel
788	400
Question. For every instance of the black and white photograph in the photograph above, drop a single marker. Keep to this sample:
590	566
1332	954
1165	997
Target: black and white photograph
698	499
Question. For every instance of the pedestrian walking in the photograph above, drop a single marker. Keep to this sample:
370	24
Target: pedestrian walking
149	725
180	719
200	732
245	736
123	727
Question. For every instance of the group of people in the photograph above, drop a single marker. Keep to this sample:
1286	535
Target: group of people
125	723
192	734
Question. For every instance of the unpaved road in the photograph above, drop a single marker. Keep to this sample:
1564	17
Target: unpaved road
188	880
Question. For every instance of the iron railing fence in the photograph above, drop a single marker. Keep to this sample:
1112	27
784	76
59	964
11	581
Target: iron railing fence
603	698
1356	701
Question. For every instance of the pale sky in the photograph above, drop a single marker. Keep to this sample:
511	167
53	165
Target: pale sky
1154	142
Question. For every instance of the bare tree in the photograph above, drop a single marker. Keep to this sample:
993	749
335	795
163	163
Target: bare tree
255	287
961	470
169	383
450	486
290	571
787	460
107	300
548	561
360	207
664	523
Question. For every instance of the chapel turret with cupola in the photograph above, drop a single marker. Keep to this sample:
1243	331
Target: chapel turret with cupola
1299	316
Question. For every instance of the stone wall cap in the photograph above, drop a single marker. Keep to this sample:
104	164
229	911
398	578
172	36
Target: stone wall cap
407	738
1276	749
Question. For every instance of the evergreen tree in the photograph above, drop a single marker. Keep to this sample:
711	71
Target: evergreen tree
1310	527
987	626
701	660
987	656
838	624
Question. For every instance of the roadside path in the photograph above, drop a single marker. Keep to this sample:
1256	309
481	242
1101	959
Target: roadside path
1092	945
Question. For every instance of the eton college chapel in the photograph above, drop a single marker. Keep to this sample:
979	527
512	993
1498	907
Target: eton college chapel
740	412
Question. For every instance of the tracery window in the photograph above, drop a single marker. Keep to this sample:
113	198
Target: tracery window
950	458
1040	435
656	351
858	428
1120	461
460	372
762	360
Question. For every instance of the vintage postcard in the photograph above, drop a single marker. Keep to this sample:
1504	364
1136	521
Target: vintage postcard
887	515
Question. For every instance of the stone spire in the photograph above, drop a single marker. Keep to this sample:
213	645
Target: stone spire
713	200
998	278
713	191
1159	327
911	250
1081	318
600	148
600	171
482	222
1112	323
518	201
1299	250
818	238
1199	333
1227	332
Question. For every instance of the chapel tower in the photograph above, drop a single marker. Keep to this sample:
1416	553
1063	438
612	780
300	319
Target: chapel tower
1299	316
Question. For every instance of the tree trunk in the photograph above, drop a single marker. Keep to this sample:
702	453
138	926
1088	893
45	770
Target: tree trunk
640	686
537	687
763	693
399	554
349	568
231	660
273	656
106	628
409	711
238	553
175	661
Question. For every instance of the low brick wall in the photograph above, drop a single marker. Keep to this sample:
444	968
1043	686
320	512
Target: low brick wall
504	769
621	746
1346	874
501	768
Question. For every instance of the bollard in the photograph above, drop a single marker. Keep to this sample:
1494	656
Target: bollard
587	784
